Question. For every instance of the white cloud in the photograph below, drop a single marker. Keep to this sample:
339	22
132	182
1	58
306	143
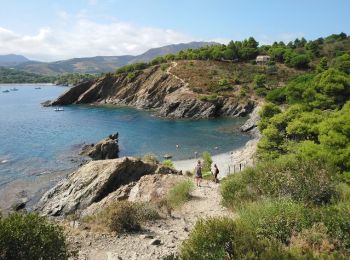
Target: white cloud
79	36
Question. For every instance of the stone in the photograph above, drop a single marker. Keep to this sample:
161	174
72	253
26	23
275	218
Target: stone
91	183
107	148
155	242
20	204
153	89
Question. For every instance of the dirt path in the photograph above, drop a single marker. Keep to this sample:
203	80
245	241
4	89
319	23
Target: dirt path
168	71
160	238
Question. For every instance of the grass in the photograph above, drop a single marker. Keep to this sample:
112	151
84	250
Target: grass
179	194
226	78
123	217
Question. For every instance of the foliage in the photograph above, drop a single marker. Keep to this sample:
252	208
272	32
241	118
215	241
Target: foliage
10	75
224	238
209	98
30	237
207	161
124	216
295	177
179	194
168	163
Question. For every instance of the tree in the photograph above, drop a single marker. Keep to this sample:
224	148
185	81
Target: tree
30	237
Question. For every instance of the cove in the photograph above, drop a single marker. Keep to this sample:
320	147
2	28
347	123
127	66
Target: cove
35	140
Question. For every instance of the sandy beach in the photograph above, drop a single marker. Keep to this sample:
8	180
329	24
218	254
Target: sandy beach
227	163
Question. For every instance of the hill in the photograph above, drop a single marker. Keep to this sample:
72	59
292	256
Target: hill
10	60
99	64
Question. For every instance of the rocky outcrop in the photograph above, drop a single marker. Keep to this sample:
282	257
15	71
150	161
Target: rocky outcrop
93	182
108	148
250	126
153	89
150	188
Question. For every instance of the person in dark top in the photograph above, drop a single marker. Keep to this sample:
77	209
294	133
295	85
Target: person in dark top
216	173
198	173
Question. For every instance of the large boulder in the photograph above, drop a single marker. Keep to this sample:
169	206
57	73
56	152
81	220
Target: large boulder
91	183
107	148
150	188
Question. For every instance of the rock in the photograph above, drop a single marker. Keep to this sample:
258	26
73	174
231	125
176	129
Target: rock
155	242
252	120
147	236
91	183
149	188
107	148
20	204
153	89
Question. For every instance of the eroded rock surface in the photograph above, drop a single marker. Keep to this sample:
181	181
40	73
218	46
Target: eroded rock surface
91	183
150	188
107	148
153	89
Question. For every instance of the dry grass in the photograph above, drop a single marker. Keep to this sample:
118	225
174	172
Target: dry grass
227	78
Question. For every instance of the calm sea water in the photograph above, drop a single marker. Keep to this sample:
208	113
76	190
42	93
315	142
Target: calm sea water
35	140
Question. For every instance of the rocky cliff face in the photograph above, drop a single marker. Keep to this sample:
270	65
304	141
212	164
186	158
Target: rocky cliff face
154	89
93	182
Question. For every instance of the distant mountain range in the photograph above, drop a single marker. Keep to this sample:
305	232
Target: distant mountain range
96	64
10	60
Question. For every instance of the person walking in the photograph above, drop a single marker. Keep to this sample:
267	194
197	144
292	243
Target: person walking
198	173
216	173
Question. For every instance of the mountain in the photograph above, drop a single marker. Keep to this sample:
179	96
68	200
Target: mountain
100	64
10	60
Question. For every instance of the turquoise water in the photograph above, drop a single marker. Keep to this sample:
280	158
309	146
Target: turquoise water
35	140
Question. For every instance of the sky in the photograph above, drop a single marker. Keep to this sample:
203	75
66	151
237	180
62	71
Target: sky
49	30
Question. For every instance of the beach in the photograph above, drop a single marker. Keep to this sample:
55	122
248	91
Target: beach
227	163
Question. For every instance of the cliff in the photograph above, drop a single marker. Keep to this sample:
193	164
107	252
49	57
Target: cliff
157	89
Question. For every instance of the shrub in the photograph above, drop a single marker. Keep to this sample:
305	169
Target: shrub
314	241
273	219
309	181
124	216
207	161
168	163
209	98
337	220
222	238
179	194
277	95
30	237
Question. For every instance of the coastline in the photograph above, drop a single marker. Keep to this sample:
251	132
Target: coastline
227	163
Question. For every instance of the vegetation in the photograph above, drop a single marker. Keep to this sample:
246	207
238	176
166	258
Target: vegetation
179	194
294	204
168	163
9	75
30	237
123	216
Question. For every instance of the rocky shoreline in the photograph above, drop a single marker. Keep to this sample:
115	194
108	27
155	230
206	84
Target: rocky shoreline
153	89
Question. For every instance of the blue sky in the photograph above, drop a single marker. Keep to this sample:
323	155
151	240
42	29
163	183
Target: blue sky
51	30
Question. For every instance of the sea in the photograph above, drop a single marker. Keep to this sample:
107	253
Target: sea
39	145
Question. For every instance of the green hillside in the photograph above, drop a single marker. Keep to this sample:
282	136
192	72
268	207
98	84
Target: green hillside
295	203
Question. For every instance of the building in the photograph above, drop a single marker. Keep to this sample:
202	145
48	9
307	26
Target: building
262	59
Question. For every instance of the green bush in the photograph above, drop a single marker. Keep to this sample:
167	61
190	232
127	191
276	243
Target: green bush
168	163
301	179
179	194
277	95
274	219
223	238
209	98
207	161
28	236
